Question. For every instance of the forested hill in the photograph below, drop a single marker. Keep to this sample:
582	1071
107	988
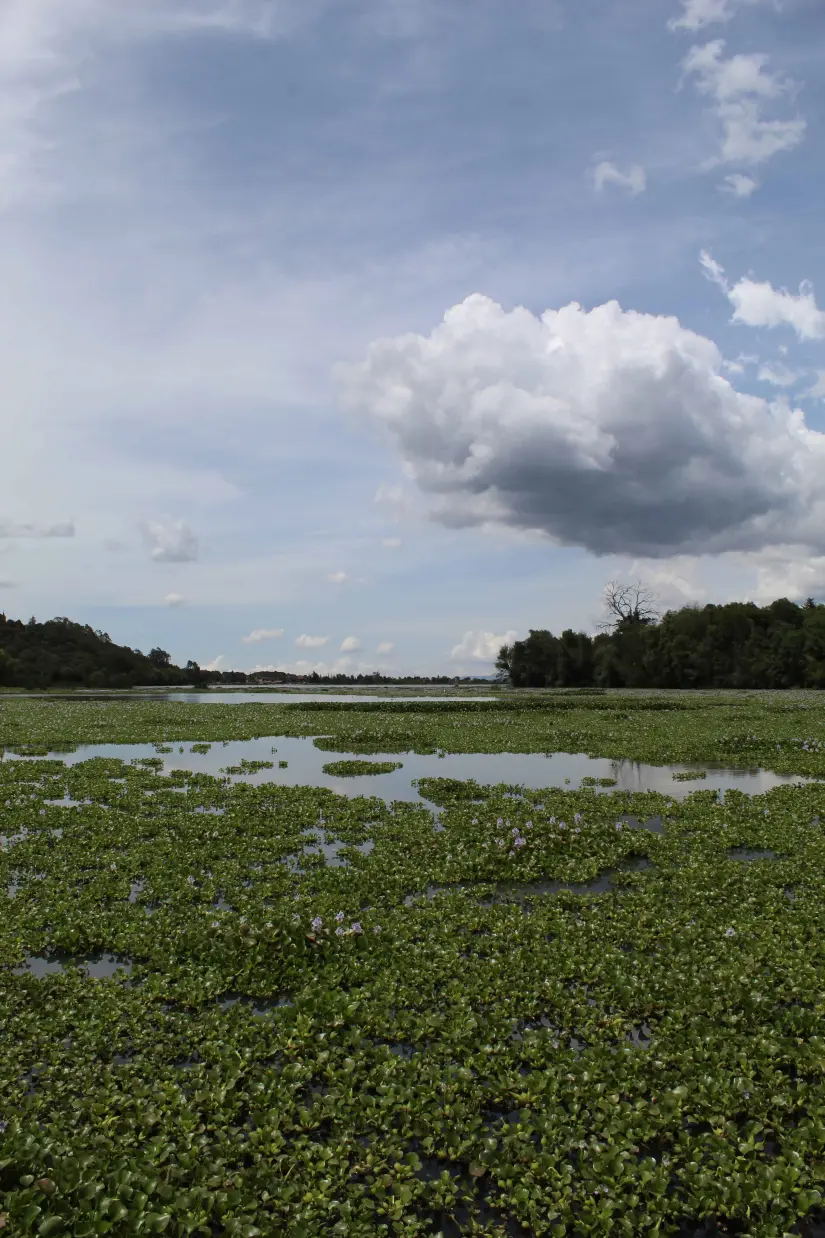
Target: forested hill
60	653
738	645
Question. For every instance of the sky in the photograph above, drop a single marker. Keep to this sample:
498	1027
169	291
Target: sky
369	334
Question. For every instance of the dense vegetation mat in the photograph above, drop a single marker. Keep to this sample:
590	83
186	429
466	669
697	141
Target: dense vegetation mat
777	731
529	1015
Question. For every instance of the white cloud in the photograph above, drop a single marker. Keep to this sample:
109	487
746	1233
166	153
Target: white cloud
480	646
817	391
391	543
12	528
778	375
221	663
740	89
349	644
386	646
739	185
170	541
699	13
262	634
611	430
310	642
787	571
174	599
395	501
634	179
7	584
761	305
337	578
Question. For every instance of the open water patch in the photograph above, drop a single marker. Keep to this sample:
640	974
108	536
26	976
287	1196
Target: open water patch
521	891
301	763
95	966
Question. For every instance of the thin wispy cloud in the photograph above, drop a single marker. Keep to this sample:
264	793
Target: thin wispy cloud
170	541
742	90
758	304
14	528
259	635
696	14
634	180
310	642
739	185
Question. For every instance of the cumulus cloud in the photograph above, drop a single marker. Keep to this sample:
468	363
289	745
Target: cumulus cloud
221	663
698	13
634	179
480	646
386	646
787	571
262	634
761	305
739	185
740	89
170	541
349	644
310	642
13	528
337	578
174	599
611	430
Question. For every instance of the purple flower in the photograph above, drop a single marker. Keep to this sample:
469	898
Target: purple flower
520	842
3	1126
377	929
528	825
339	932
339	916
730	932
577	817
317	923
618	825
356	927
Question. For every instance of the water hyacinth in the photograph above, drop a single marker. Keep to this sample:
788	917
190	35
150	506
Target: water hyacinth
480	1061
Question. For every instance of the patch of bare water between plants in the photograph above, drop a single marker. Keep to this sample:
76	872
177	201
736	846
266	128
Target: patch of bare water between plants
294	762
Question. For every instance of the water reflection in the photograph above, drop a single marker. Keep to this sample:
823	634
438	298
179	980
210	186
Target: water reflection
297	762
96	966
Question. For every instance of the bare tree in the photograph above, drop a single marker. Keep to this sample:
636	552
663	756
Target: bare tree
628	604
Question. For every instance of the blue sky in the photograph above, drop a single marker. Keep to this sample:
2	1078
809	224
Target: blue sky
389	323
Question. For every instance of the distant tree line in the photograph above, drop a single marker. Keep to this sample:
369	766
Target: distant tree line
62	654
738	645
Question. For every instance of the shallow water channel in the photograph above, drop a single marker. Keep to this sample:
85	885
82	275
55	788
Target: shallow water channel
304	767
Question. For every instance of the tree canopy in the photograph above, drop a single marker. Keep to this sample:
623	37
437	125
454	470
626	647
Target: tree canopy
60	653
737	645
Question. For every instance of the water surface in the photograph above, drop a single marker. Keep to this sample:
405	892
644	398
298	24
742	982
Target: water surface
532	770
